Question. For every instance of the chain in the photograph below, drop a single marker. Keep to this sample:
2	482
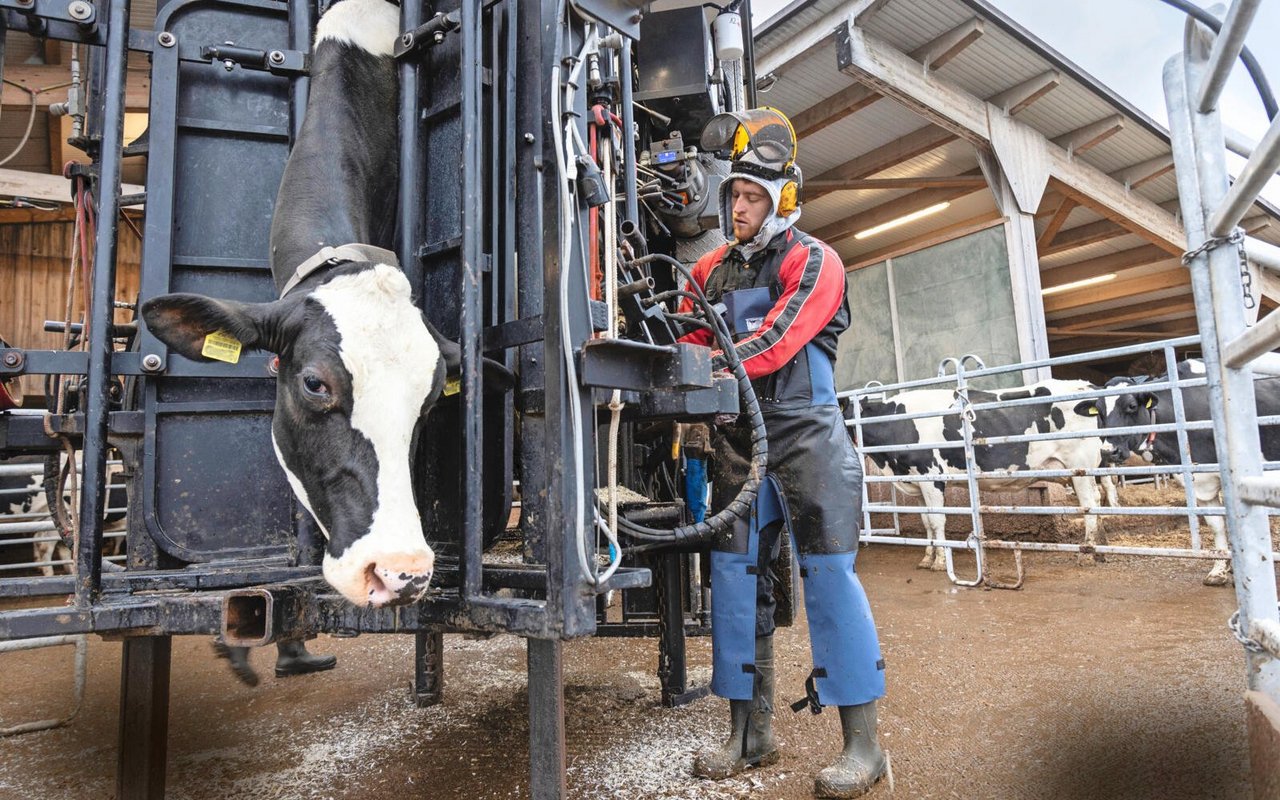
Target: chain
1235	238
1249	644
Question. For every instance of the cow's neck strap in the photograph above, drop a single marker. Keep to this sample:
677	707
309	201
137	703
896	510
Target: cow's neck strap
329	256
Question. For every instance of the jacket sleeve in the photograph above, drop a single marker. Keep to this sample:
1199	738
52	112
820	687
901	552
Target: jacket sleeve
813	285
700	272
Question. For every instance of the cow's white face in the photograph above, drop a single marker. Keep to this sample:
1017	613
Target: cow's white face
358	369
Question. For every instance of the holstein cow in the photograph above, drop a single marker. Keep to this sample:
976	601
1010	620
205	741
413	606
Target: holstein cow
359	365
25	496
1046	417
1146	407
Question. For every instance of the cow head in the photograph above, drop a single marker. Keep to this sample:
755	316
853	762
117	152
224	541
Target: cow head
358	368
1129	410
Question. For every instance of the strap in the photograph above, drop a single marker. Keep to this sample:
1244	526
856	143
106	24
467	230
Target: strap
810	699
329	256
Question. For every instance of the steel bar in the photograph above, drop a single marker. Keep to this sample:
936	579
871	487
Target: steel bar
1184	445
1261	491
1264	254
1105	549
1038	437
98	380
1259	169
472	313
1078	358
81	645
1226	49
1065	511
144	718
1263	337
1215	278
546	720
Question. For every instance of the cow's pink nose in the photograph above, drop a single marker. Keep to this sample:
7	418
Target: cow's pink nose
394	579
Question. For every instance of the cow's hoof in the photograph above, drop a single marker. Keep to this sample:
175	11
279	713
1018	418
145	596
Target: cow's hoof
939	564
1218	578
926	562
1089	559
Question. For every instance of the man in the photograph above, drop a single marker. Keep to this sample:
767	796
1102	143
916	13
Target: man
784	294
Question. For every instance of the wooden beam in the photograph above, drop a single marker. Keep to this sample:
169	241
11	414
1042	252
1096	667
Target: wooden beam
1138	174
1081	235
37	77
938	52
1093	267
38	186
1055	224
31	216
1114	290
934	237
1091	135
1081	344
1143	334
891	210
914	144
1256	224
843	103
813	36
1018	98
1137	313
891	73
923	182
854	98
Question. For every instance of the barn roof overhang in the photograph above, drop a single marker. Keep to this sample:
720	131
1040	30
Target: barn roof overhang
898	101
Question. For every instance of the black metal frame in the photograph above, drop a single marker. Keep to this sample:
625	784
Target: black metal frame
481	86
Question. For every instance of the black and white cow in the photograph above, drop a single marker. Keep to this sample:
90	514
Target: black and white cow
23	498
1046	417
1147	407
359	365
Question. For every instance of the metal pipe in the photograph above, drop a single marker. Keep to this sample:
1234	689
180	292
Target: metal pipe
1252	179
1202	180
1105	549
1226	49
300	25
632	209
98	380
409	231
472	315
1184	445
1263	337
1053	511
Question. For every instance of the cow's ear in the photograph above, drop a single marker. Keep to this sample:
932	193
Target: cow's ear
1149	401
1087	408
496	375
182	321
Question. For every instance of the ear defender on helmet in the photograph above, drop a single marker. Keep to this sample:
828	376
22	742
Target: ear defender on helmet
789	196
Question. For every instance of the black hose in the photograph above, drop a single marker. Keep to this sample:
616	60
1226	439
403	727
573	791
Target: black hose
1250	63
741	505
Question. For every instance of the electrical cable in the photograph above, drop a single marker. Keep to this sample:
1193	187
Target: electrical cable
1250	63
740	507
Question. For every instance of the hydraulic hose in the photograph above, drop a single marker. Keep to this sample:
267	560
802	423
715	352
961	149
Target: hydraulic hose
1250	63
741	505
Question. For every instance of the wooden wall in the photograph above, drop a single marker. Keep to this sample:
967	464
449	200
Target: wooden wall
34	265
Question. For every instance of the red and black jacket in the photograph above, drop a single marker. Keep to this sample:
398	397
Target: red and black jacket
806	280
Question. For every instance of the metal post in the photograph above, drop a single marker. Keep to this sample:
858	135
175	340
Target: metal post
1200	156
1226	49
546	720
412	176
144	718
300	24
472	314
428	668
1184	446
98	381
1244	190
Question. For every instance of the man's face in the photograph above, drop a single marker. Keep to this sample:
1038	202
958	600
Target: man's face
751	204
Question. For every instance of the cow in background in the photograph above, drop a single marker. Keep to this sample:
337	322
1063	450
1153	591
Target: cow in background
1143	407
1048	417
359	365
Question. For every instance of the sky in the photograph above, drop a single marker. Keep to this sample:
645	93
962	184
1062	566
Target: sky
1124	44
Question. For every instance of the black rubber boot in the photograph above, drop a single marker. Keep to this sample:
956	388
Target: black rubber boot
750	742
239	658
292	658
861	764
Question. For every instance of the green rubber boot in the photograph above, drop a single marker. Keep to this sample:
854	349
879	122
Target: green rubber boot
239	658
292	658
750	742
861	764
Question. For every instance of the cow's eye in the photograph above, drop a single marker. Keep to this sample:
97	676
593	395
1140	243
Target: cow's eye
315	386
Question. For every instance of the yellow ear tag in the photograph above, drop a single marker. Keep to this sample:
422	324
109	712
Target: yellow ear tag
221	346
1151	401
1093	411
452	386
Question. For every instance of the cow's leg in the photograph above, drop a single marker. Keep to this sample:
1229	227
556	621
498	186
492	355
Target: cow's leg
1208	486
43	553
1109	489
935	525
1094	534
